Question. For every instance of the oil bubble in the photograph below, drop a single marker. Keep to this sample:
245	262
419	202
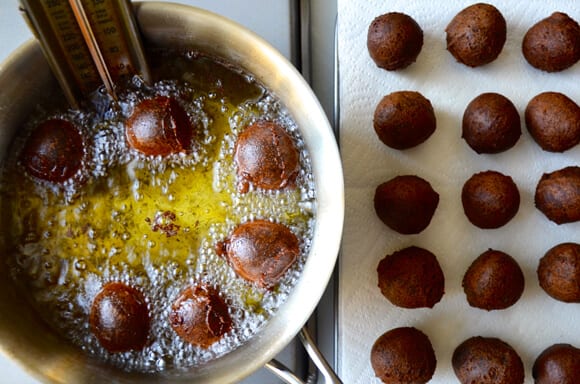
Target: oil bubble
80	265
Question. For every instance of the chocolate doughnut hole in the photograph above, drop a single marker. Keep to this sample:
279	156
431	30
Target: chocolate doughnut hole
266	157
490	199
493	281
553	120
404	119
557	195
403	355
476	35
557	364
491	124
200	316
394	41
54	151
552	44
119	318
406	204
559	272
411	278
159	127
260	251
487	360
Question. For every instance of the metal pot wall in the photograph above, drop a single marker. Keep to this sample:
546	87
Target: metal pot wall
25	80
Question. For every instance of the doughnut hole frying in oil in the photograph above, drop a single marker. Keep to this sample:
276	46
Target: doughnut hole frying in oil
119	318
54	151
260	251
159	126
200	316
266	157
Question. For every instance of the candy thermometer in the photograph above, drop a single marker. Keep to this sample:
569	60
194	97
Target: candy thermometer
88	43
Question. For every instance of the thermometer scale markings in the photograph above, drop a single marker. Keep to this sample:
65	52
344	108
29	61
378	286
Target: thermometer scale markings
63	33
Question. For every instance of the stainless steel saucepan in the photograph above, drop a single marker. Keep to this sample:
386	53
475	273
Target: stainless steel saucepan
25	80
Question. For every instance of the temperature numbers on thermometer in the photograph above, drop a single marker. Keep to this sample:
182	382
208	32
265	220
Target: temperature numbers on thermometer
87	43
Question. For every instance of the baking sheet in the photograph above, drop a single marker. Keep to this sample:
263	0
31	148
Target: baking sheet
445	160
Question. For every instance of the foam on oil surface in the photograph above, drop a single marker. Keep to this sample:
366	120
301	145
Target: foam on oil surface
110	221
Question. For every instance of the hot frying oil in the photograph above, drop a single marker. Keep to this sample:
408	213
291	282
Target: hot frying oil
151	222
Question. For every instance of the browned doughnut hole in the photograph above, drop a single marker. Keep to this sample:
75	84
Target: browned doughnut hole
553	120
552	44
406	203
493	281
404	119
159	126
394	40
557	364
487	360
54	151
490	199
559	272
411	278
260	251
200	316
265	156
119	318
558	195
476	35
491	123
403	355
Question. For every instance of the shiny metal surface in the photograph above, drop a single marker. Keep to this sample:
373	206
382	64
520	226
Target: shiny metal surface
283	372
103	46
330	377
328	374
25	79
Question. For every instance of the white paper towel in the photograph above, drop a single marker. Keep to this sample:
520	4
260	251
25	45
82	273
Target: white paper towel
536	320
